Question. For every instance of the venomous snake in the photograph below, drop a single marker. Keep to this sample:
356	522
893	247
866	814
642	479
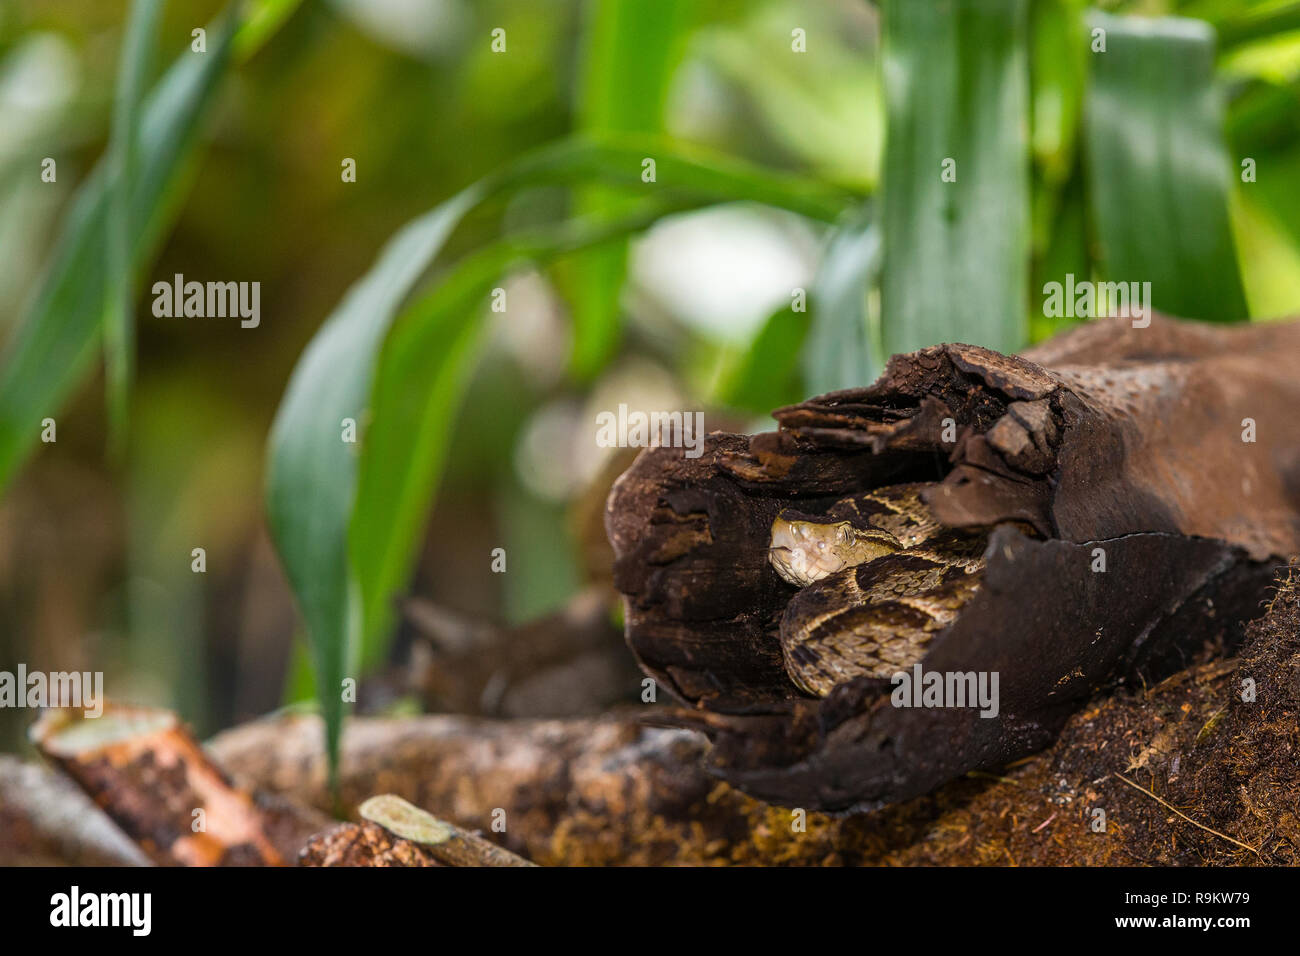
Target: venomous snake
879	577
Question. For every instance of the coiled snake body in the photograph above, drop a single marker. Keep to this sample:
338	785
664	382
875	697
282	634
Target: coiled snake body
879	577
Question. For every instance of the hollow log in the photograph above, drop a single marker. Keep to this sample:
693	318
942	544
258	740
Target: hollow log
1171	450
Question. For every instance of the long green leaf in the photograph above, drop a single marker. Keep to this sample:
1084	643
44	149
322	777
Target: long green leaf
123	149
1242	26
1158	168
1058	70
387	524
956	254
312	477
841	350
262	18
629	53
58	333
1058	75
424	370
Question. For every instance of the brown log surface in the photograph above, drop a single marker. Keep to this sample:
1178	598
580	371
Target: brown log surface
150	776
45	820
1128	439
607	791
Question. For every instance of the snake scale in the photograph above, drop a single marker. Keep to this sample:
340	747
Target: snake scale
879	577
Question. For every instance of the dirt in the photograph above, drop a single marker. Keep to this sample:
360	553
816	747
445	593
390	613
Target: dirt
1189	772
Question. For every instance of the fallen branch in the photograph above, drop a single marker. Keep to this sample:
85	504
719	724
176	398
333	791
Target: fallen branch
159	786
46	821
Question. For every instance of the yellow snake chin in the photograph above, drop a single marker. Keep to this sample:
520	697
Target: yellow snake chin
805	551
879	578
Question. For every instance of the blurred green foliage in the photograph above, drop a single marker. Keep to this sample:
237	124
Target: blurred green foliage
817	132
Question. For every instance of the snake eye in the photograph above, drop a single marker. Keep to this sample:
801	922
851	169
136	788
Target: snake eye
821	545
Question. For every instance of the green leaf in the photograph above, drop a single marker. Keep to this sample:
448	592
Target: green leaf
1058	72
399	469
58	333
630	53
1066	250
1158	169
312	486
122	159
262	18
1258	22
424	371
311	478
842	350
767	375
956	254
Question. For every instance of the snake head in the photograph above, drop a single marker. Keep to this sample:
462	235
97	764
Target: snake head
805	549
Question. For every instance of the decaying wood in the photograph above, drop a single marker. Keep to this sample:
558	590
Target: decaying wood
577	791
142	767
1109	437
569	663
46	821
610	791
393	832
1093	442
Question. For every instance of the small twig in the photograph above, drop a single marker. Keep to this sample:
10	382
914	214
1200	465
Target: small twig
1165	803
985	775
445	842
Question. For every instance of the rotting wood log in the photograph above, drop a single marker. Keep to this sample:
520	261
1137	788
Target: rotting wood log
150	776
608	791
1173	448
602	790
